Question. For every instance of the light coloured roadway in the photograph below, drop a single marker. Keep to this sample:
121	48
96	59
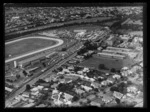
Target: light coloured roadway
60	42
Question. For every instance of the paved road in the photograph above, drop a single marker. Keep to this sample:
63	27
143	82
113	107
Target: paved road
60	42
33	80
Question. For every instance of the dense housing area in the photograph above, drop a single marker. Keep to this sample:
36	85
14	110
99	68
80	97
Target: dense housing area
98	63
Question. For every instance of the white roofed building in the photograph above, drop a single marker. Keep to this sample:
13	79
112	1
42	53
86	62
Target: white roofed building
86	88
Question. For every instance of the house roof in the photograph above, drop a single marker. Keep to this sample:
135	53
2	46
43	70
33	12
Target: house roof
98	100
106	98
117	94
67	96
91	97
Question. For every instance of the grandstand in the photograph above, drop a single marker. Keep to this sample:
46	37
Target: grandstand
25	62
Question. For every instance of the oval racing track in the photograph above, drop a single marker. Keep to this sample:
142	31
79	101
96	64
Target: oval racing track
60	42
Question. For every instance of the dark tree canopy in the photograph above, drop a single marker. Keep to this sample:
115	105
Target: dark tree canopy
28	87
101	66
113	70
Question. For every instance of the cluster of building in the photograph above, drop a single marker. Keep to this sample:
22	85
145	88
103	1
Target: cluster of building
36	16
74	85
116	53
83	87
83	34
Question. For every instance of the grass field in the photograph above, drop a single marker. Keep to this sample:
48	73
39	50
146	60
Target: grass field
109	63
27	45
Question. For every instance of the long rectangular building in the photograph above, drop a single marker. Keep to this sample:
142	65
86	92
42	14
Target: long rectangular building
112	55
115	48
115	52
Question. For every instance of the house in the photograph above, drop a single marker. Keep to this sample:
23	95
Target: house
25	95
54	91
111	80
98	102
106	98
116	76
68	102
124	37
141	64
29	105
8	89
55	96
68	96
40	87
34	89
80	72
35	93
124	73
91	97
104	83
132	89
86	87
85	70
83	100
24	99
111	104
31	100
66	70
117	94
41	105
71	68
80	57
106	74
130	95
95	85
79	91
48	79
15	102
19	97
86	83
62	80
54	85
95	104
91	79
60	73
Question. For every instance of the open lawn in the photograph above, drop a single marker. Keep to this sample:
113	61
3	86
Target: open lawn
109	63
27	45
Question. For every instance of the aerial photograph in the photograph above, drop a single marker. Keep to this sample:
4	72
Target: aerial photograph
73	56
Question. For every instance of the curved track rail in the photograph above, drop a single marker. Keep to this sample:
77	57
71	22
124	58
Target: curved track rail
60	42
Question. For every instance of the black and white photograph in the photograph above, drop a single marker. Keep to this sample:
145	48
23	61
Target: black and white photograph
73	55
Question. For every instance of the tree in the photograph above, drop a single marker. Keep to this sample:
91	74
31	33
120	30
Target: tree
118	101
87	43
17	76
60	68
61	77
114	89
25	73
28	87
41	81
44	65
101	66
129	83
75	98
63	49
113	70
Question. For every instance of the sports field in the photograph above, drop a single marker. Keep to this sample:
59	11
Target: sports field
30	44
109	63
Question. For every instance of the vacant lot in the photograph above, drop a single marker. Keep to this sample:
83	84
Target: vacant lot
27	45
109	63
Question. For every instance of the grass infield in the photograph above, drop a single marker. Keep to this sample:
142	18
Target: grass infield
27	45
